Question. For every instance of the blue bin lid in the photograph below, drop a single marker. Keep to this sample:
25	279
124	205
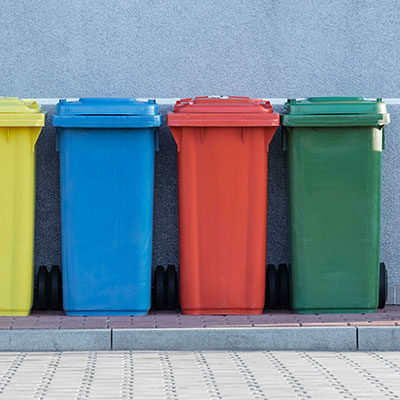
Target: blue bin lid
107	113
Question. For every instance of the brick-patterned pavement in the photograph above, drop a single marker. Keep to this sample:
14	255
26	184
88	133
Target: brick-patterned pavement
390	316
205	375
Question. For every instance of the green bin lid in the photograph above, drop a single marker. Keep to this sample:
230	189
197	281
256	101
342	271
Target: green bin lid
335	111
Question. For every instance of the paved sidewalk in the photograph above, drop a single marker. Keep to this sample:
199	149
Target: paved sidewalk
378	331
389	316
199	375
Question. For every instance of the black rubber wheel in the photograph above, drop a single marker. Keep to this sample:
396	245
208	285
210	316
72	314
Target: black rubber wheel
283	286
55	288
383	285
271	287
42	288
159	288
60	290
171	287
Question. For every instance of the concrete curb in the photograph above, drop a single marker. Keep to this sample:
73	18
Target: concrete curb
55	339
378	338
318	338
347	338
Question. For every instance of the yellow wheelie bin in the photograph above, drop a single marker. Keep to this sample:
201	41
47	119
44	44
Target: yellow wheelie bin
20	124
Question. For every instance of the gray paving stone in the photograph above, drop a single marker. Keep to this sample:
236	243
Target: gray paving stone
313	338
379	338
199	375
55	340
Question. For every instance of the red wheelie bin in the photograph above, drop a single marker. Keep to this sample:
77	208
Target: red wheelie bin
222	147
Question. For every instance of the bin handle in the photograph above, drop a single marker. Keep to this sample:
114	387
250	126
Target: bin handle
177	134
378	139
284	139
35	132
35	137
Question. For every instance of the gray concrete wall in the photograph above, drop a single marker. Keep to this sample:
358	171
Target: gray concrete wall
183	48
173	48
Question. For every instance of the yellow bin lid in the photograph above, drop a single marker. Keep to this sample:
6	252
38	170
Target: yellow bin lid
20	112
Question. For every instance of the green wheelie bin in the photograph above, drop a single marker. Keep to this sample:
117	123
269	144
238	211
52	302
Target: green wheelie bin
334	147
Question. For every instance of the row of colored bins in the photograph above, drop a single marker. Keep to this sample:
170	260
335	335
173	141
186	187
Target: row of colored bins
107	151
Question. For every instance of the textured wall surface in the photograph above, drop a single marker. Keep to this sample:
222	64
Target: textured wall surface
173	48
182	48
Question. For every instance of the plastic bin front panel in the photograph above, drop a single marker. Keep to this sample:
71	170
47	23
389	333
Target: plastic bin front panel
223	213
107	181
17	204
334	188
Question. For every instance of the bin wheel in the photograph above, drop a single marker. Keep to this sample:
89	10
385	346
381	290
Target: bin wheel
159	288
55	288
42	288
171	287
383	285
271	286
283	286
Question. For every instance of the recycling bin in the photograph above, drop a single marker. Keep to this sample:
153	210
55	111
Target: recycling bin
107	149
20	124
222	145
334	149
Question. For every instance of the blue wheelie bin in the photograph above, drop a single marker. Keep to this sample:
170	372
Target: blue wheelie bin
107	148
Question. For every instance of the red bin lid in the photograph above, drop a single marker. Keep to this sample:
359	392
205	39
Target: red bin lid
222	111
